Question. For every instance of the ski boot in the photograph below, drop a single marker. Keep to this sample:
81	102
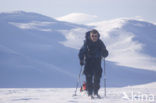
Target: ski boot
91	96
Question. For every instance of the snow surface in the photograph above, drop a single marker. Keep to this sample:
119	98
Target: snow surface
78	18
137	94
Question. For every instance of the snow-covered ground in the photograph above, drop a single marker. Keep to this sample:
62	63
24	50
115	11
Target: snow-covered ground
135	94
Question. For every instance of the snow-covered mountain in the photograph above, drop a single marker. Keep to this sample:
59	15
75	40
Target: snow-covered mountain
39	51
31	55
131	42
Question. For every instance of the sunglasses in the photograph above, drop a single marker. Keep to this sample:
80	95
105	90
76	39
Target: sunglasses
94	36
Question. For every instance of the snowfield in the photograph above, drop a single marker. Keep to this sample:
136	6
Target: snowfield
137	94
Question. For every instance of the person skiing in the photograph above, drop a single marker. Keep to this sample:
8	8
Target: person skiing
90	56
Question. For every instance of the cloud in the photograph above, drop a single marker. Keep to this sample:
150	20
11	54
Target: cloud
79	18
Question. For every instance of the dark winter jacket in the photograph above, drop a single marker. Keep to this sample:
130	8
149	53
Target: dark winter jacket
92	53
92	50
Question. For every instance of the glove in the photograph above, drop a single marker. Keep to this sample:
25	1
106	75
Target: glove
105	53
81	62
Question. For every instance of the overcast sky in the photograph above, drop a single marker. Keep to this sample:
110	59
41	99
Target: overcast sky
103	9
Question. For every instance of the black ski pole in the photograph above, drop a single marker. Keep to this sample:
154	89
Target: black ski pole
104	77
78	81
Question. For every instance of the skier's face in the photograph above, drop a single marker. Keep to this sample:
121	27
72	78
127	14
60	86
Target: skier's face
94	37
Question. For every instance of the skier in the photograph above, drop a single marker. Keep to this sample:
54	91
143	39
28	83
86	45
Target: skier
90	55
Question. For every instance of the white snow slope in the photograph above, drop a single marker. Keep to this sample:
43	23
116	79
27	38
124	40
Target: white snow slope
39	51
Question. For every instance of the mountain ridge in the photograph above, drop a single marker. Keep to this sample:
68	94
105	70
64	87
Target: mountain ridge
33	57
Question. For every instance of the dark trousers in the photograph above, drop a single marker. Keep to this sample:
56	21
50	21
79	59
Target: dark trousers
93	72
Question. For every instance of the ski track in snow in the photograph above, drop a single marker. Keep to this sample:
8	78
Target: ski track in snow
64	95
